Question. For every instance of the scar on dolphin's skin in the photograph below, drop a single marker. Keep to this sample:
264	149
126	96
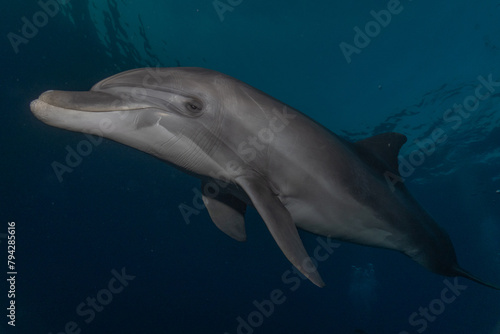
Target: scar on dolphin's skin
295	172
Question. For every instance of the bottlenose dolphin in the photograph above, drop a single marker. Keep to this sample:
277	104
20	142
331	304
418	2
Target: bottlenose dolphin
251	149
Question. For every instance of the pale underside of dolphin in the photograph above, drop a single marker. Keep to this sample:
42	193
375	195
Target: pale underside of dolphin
251	149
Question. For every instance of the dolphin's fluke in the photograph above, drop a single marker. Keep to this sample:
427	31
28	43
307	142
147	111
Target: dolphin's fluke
461	272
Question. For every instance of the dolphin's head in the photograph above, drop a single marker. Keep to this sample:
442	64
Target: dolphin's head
172	113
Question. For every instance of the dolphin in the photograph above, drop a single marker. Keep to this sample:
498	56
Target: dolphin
250	149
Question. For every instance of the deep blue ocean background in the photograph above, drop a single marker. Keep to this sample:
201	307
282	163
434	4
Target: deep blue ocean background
119	207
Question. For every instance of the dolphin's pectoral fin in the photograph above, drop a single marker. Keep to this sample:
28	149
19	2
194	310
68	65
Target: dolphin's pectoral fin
227	213
280	224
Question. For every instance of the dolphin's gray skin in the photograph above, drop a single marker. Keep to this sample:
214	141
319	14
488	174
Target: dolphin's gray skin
250	149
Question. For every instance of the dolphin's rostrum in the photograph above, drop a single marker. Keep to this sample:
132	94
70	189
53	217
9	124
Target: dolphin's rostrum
250	149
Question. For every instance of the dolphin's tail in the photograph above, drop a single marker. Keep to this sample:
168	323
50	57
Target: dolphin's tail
461	272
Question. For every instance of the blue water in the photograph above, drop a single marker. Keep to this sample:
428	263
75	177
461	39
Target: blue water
118	209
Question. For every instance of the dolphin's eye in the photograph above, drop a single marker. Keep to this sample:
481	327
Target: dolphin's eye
193	106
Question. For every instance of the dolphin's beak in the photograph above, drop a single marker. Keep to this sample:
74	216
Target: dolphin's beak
86	101
80	111
59	108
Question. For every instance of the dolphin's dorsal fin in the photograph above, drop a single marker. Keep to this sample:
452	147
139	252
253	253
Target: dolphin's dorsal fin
381	151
